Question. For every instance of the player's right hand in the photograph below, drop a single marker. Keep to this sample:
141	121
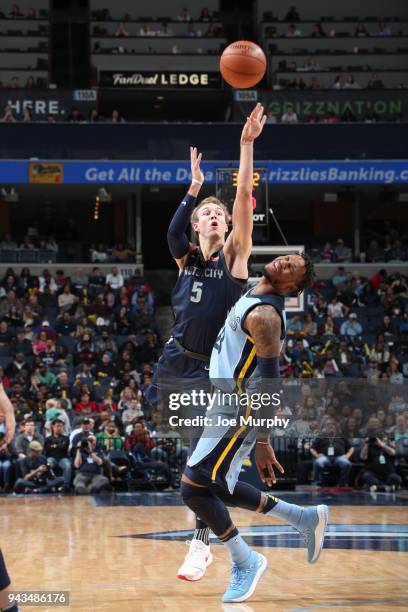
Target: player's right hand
195	159
265	460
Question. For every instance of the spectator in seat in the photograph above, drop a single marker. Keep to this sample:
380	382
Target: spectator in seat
336	309
38	477
378	455
30	84
117	117
109	439
56	451
361	30
5	334
341	251
401	429
318	31
339	82
89	461
22	440
374	252
387	327
290	116
184	15
121	254
8	242
8	116
6	457
384	29
18	366
371	116
99	254
310	326
330	448
121	30
19	344
140	445
96	283
13	317
86	429
394	375
351	327
294	325
327	253
205	15
292	31
75	116
66	326
396	253
330	117
375	82
85	406
66	299
351	83
80	281
115	280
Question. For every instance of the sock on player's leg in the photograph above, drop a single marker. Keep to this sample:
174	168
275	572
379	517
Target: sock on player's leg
201	532
239	549
291	513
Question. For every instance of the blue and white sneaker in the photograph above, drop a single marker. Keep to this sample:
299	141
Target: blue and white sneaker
312	527
243	581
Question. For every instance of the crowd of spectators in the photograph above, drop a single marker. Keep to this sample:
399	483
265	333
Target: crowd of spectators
290	116
204	16
77	354
390	248
352	347
17	13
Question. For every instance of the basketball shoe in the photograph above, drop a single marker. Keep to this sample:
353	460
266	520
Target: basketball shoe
197	560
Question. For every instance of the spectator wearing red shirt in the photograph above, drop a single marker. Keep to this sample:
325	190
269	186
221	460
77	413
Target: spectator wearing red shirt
85	405
378	279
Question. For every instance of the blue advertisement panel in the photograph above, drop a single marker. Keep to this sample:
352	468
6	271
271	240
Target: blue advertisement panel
367	172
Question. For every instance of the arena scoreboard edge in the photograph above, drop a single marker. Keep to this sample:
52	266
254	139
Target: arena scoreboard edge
226	180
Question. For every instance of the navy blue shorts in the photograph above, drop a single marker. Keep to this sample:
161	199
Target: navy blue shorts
177	372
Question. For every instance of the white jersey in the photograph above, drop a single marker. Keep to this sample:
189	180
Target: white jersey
233	358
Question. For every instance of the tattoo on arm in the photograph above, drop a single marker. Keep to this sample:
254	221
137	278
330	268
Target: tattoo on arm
264	325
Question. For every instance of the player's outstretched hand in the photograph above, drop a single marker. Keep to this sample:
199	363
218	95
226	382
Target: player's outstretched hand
195	159
254	124
265	460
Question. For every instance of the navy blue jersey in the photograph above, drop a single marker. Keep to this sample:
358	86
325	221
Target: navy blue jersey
204	293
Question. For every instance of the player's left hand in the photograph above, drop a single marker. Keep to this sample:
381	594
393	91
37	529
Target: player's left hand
254	124
265	460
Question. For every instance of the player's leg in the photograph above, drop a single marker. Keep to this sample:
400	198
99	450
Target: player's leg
5	588
199	555
247	565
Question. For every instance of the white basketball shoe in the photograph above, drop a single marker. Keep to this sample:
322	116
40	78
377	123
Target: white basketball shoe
196	561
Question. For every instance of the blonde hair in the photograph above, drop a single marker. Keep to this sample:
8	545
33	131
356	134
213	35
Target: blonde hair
210	200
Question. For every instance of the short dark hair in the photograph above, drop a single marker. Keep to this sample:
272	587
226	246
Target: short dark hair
309	275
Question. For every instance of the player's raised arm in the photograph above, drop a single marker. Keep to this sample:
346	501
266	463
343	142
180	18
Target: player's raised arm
264	324
177	239
242	213
8	410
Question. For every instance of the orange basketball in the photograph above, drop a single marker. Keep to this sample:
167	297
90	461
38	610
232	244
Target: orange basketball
243	64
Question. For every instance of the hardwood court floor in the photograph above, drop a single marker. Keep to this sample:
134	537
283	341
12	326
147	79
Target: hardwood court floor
69	543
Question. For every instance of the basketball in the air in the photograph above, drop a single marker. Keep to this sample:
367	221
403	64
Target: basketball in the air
243	64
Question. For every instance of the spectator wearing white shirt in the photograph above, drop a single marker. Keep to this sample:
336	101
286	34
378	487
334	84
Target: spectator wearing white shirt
336	309
290	116
115	280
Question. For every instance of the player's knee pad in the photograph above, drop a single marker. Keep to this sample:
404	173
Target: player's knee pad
209	508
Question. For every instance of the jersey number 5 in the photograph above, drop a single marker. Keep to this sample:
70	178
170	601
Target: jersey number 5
196	291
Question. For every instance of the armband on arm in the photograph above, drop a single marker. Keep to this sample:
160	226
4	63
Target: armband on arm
176	235
269	370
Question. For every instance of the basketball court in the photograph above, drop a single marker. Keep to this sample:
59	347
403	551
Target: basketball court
121	552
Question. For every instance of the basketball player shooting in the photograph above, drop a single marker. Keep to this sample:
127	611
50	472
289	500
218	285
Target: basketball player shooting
246	357
212	277
6	407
